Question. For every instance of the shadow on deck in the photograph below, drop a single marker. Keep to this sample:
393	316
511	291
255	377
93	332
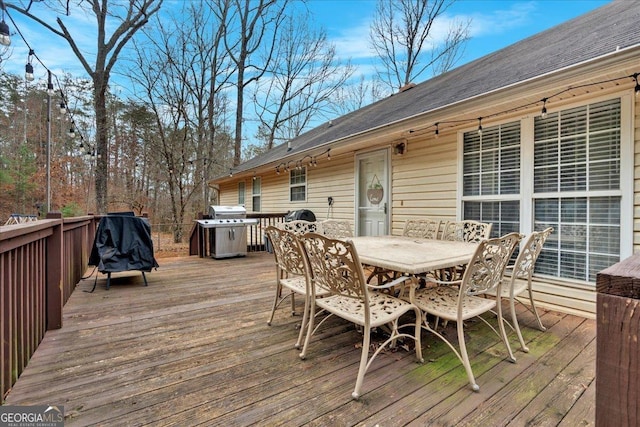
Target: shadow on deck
194	348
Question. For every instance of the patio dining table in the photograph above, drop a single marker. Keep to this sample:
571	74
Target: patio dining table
410	255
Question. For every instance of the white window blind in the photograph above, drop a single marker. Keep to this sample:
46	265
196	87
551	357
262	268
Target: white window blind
492	161
577	189
491	167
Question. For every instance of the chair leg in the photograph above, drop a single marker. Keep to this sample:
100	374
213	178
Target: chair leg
535	310
516	325
310	326
465	357
364	356
276	301
305	319
503	332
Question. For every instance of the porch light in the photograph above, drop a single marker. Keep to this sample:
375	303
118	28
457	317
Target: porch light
328	153
63	107
400	148
437	132
543	113
5	37
50	90
479	125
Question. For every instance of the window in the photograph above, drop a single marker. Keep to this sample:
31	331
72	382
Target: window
577	168
569	179
298	184
241	191
256	193
491	177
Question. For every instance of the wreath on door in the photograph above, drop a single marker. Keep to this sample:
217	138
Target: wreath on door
375	192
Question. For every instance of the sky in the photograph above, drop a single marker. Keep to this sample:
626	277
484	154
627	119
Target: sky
494	25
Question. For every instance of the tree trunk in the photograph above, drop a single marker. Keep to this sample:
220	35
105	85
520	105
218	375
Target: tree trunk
102	146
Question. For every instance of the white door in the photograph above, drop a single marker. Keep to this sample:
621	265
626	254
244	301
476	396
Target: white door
372	193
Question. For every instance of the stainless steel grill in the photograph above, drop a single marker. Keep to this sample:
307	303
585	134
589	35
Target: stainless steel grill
228	234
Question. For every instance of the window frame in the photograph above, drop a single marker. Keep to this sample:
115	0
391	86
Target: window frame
527	196
298	185
242	193
256	195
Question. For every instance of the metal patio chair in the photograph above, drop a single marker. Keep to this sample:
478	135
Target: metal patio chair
290	274
333	266
465	300
520	279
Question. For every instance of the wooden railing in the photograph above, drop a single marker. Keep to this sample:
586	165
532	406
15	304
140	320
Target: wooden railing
40	264
198	238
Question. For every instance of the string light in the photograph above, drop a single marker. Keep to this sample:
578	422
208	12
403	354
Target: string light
5	36
29	74
28	68
543	112
299	164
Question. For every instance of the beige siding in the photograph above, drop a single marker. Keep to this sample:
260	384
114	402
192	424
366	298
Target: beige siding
333	178
424	180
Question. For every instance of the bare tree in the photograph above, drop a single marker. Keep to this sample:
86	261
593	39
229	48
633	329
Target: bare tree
125	18
251	27
403	35
181	62
355	95
299	84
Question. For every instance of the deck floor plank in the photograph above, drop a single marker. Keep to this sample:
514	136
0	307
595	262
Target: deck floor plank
193	348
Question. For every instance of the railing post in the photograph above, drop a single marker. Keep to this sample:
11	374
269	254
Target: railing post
617	346
55	295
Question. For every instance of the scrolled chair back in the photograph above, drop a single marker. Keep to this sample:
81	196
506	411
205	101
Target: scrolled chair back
334	266
421	228
336	229
466	231
526	261
288	255
486	268
300	227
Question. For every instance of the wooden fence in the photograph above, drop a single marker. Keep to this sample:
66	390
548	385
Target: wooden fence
40	264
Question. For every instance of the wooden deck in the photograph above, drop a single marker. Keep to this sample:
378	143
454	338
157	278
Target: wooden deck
194	348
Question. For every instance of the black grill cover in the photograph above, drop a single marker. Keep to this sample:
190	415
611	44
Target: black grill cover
301	214
122	243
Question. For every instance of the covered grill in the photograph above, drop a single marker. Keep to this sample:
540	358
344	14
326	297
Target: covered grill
228	231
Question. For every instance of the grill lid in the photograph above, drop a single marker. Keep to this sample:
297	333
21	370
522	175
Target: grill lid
224	212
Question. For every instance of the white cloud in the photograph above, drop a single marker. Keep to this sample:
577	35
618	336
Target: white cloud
500	21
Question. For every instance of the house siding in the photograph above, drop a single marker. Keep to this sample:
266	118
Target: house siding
424	180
